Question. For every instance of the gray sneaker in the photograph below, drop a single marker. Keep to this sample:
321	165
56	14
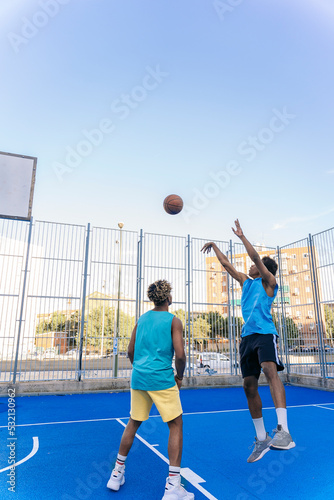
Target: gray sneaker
282	440
260	449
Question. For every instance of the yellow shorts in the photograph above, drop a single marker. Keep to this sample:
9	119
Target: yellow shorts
167	402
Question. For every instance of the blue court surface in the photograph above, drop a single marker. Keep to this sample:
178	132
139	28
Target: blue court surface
66	447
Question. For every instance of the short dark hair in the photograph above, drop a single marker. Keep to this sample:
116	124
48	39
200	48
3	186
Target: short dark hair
270	264
159	291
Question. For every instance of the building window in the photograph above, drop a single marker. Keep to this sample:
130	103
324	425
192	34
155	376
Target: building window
305	266
310	314
308	289
295	278
296	291
297	302
213	265
298	314
293	256
305	255
306	277
309	301
214	295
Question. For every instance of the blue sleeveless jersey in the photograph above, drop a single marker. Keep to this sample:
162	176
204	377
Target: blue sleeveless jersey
152	362
255	307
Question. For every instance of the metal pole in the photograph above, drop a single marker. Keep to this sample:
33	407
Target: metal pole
234	358
83	305
323	365
282	323
104	303
188	307
139	274
116	337
22	302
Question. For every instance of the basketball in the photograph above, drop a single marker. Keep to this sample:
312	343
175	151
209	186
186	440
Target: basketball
173	204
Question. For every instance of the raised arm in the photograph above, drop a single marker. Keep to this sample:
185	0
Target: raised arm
267	277
180	357
240	277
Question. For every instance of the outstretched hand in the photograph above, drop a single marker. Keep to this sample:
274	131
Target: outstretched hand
238	230
207	247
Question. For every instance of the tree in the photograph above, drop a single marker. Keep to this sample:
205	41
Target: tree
291	329
201	331
329	320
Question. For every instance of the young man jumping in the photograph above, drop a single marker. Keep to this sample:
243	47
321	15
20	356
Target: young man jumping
155	338
258	347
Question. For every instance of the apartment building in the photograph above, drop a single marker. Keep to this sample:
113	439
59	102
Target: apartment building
294	297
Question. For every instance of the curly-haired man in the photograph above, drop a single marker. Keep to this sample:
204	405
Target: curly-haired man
155	338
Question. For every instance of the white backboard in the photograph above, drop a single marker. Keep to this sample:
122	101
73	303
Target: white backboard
17	181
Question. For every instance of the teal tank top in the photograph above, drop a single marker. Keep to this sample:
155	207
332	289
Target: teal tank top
256	307
152	362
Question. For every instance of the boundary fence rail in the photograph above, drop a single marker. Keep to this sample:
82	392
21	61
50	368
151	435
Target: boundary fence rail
70	296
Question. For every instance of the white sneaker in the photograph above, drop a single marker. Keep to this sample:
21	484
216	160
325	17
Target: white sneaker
174	490
117	478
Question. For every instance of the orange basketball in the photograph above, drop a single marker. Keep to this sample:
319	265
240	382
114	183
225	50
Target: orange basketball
173	204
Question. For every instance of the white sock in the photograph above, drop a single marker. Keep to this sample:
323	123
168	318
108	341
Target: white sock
120	460
259	429
174	472
282	418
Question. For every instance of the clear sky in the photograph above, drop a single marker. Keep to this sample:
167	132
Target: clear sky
227	103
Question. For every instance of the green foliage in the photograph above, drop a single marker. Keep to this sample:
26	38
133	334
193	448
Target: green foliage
329	320
291	329
101	325
201	331
55	324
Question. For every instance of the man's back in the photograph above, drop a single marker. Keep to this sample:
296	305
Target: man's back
153	354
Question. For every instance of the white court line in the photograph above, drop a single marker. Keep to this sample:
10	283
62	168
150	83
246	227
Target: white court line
31	454
158	416
188	474
324	407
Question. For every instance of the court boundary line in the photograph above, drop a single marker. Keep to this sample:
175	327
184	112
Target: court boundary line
33	452
160	455
324	407
316	405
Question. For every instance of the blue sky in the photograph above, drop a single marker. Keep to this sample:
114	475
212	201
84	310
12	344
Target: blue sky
227	103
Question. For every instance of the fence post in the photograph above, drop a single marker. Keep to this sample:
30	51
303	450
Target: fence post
188	300
316	299
233	346
83	305
22	302
139	274
281	321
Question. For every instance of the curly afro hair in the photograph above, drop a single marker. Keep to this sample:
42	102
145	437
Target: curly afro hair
270	264
159	291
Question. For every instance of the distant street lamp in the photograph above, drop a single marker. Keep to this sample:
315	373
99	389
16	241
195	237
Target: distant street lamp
116	337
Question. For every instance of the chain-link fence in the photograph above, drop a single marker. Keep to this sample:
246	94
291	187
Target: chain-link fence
70	296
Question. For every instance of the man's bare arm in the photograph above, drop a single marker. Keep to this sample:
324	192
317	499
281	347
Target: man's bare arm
131	346
180	356
268	278
240	277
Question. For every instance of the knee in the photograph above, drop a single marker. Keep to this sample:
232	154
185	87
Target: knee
250	389
270	372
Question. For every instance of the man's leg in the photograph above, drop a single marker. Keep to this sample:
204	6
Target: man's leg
282	439
277	390
175	441
117	476
175	444
253	396
128	436
262	440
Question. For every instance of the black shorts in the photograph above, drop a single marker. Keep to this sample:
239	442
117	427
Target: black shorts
254	350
